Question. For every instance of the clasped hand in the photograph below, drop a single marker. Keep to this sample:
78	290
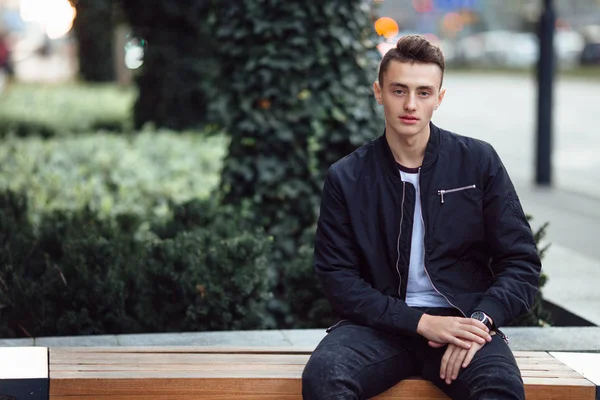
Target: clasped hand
464	336
458	331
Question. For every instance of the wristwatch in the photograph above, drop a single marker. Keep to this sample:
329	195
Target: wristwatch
481	316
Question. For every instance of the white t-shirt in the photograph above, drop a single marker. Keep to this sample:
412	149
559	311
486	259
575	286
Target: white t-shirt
419	290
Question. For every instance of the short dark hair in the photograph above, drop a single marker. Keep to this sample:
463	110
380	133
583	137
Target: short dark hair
413	49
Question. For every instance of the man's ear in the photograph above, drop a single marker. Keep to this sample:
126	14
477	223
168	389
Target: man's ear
377	91
440	97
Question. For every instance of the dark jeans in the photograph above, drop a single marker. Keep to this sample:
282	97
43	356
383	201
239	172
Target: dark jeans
358	362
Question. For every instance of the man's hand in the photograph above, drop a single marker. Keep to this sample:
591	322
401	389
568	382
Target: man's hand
456	358
458	331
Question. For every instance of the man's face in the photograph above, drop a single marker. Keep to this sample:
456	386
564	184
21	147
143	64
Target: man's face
410	94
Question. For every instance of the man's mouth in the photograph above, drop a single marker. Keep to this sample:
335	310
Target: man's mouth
408	119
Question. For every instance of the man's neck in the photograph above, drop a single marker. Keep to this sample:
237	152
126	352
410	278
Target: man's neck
408	151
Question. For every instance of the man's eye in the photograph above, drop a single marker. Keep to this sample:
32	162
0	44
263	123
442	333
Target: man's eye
424	94
399	91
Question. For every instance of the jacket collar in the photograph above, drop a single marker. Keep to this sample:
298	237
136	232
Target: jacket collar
431	151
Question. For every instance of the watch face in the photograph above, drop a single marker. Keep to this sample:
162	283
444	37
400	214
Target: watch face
480	316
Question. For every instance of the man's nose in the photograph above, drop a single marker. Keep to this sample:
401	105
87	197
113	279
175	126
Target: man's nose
410	104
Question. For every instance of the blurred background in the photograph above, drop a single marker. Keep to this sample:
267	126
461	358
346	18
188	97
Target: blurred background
161	163
472	33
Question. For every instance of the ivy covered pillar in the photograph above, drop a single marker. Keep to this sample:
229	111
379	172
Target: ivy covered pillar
296	97
178	70
93	28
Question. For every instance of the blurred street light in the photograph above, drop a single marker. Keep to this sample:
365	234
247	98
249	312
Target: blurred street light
386	27
55	16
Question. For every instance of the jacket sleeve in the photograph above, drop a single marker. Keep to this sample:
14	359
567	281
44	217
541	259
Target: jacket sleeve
515	262
337	266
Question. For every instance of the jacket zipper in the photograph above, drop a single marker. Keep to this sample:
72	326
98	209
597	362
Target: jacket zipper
398	241
425	233
442	192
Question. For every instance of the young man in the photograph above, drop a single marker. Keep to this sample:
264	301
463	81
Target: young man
423	248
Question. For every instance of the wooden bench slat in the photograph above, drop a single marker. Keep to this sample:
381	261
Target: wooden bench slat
178	367
95	358
226	388
550	374
251	373
263	368
175	386
217	396
192	349
188	374
241	358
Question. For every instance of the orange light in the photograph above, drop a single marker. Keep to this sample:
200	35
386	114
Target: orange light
386	27
453	22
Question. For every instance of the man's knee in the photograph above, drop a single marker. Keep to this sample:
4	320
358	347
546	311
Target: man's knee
496	377
327	376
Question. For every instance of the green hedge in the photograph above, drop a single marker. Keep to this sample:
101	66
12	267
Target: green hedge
112	174
58	110
78	274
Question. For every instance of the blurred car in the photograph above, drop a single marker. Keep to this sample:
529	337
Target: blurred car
523	50
568	45
590	54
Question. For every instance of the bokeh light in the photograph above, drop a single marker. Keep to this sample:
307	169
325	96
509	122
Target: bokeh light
56	16
386	27
453	22
423	6
135	48
433	39
384	47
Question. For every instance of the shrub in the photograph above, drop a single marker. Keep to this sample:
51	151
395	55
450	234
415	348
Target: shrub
111	174
78	274
304	304
69	278
207	279
58	110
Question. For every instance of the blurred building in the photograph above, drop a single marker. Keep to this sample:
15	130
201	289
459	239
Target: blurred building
426	16
495	32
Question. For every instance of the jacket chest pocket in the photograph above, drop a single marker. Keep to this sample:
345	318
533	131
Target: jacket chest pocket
457	216
447	192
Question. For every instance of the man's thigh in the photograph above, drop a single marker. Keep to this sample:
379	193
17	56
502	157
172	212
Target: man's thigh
492	374
359	362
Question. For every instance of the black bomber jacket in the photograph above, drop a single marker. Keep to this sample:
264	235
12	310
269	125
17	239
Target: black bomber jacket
480	253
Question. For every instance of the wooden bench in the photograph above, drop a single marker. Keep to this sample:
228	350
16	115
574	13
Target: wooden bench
220	373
